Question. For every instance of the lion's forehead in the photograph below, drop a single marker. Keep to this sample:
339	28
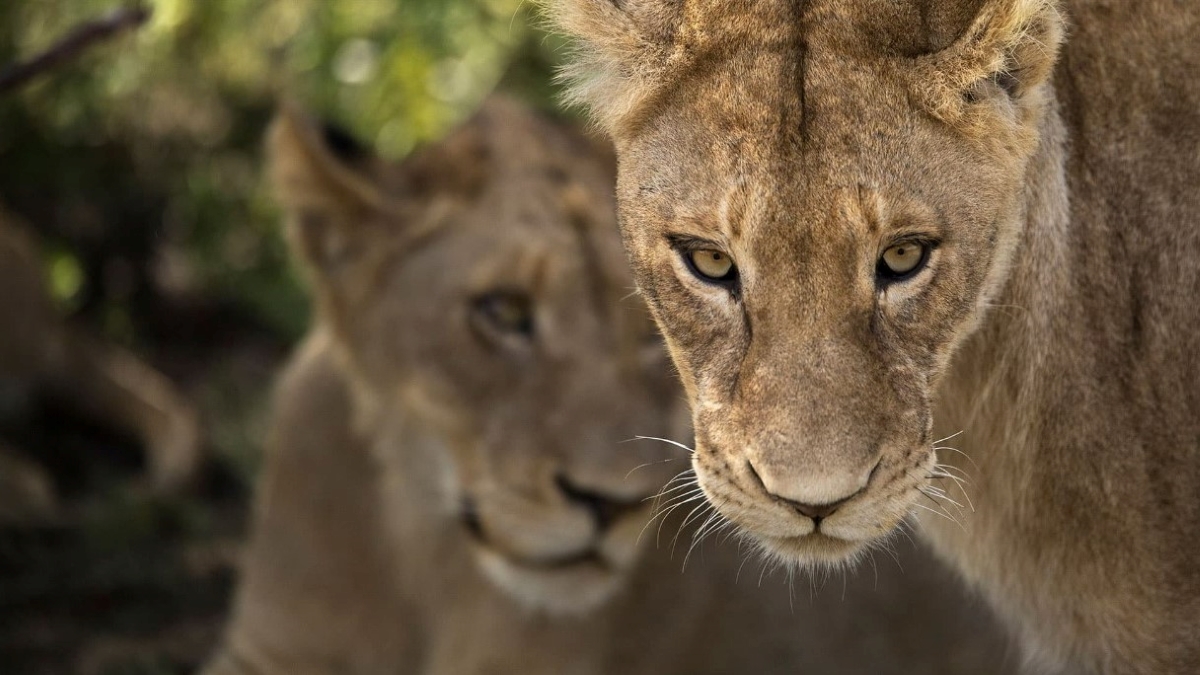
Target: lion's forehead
786	197
831	130
899	27
755	66
546	231
543	206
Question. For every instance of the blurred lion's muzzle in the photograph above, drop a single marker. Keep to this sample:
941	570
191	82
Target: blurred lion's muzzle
562	561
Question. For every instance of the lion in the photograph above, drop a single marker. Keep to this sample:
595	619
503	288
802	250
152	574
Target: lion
863	227
446	490
40	352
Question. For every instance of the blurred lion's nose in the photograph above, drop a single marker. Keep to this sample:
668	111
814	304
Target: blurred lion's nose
813	496
469	513
605	510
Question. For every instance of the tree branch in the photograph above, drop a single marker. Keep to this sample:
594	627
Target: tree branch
84	36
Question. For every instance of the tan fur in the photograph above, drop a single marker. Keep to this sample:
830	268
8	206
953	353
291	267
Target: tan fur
398	418
38	350
1055	325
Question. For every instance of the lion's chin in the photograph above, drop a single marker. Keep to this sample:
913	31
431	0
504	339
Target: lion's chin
814	550
574	588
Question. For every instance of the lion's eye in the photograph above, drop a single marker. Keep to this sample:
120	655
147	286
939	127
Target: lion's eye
712	265
505	312
902	261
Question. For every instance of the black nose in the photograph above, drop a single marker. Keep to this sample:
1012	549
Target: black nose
469	514
817	512
605	510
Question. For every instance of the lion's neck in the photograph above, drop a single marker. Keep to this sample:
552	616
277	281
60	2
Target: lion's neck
414	494
991	398
1001	365
1052	396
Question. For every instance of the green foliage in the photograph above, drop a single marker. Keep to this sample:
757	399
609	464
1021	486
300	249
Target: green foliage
65	276
146	151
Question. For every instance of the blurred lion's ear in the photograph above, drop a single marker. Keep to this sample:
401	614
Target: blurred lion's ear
329	185
455	166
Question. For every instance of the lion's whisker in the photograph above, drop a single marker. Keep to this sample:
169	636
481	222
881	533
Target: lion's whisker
668	490
938	473
712	525
950	468
947	516
940	494
953	435
952	449
730	531
960	482
691	516
662	511
936	502
690	493
746	556
699	535
688	478
682	498
691	451
658	534
905	529
642	466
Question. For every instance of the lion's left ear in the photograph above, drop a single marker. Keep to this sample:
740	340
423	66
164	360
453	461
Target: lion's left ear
1008	50
622	45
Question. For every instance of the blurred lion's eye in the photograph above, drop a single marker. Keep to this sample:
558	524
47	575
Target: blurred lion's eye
505	313
712	265
903	260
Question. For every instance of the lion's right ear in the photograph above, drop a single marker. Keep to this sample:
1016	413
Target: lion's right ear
327	183
1004	57
624	50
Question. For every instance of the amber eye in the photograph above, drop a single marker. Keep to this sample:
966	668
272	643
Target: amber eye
504	312
712	265
903	260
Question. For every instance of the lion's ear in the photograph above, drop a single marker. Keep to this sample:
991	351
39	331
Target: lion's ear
621	46
328	184
1008	50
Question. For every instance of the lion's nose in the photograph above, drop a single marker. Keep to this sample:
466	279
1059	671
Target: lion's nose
816	498
605	510
817	512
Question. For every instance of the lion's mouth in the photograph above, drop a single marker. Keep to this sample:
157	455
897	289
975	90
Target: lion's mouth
573	583
589	559
586	558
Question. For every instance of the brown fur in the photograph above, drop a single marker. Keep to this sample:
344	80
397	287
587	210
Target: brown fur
39	351
1055	325
398	418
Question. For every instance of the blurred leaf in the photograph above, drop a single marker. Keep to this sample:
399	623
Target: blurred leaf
66	278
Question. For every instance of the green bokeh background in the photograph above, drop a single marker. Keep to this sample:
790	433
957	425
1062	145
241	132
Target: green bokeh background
148	147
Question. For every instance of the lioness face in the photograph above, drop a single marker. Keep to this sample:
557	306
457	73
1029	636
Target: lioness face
481	295
819	199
